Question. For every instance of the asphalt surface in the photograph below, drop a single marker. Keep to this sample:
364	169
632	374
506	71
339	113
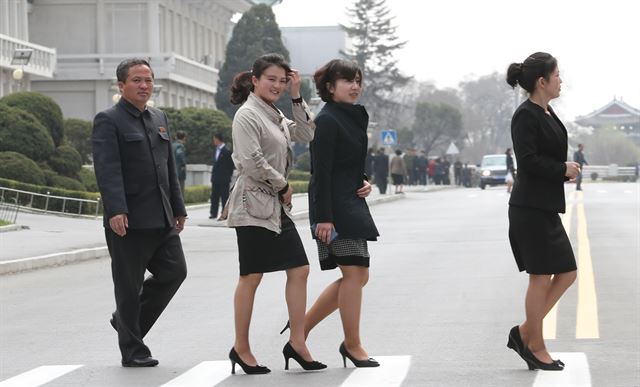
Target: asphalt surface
444	292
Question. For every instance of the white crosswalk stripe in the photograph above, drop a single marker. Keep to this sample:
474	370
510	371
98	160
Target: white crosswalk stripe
575	374
39	376
391	373
205	374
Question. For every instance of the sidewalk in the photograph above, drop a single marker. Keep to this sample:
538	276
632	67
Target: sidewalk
53	240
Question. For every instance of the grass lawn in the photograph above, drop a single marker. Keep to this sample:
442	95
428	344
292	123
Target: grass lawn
4	223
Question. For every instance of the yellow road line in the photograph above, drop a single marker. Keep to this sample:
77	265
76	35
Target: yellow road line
550	323
587	326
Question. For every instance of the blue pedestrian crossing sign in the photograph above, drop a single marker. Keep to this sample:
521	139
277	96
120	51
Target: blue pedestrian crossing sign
389	137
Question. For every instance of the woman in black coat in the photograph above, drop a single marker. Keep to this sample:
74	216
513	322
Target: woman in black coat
539	242
337	191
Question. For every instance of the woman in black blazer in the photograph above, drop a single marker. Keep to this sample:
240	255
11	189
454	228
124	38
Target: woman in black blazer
539	242
337	192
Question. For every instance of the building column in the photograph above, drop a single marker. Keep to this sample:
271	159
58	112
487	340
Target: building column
153	13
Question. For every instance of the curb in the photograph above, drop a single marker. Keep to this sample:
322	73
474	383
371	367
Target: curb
49	260
63	258
12	227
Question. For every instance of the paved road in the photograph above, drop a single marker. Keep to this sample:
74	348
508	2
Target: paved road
444	291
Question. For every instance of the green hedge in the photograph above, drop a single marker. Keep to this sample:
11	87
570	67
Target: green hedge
297	174
197	194
44	108
78	135
66	161
16	166
54	204
58	181
21	132
620	178
88	178
299	186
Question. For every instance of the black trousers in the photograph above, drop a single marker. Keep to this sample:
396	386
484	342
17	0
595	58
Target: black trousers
219	196
140	301
381	182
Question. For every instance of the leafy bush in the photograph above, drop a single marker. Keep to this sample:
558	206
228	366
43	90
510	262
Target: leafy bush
16	166
299	186
200	125
197	194
52	179
53	204
299	175
78	135
44	108
21	132
66	161
88	179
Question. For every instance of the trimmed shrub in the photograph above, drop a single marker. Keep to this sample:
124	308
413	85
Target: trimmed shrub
44	108
299	186
88	179
66	161
16	166
297	174
78	135
197	194
59	181
53	204
21	132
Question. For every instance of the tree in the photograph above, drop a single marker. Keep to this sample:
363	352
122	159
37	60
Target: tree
16	166
374	44
435	125
200	125
21	132
609	146
256	34
489	104
44	108
78	134
66	161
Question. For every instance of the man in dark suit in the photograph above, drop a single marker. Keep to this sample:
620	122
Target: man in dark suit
143	209
381	170
220	175
578	157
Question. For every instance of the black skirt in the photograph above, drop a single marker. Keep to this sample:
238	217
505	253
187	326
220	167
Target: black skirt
397	178
263	251
539	242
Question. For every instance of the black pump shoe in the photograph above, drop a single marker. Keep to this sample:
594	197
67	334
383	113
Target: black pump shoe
289	353
249	370
535	363
515	340
370	362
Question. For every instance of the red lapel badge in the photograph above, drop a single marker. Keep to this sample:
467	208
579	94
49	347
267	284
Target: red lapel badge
162	129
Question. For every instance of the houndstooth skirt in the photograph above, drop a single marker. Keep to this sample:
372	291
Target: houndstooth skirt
347	252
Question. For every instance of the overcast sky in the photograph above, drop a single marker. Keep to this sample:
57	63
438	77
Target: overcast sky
597	43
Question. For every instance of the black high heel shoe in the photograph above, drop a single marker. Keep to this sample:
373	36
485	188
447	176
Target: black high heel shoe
285	327
535	363
370	362
249	370
515	340
289	353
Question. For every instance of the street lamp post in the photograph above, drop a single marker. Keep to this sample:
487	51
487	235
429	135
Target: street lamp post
21	57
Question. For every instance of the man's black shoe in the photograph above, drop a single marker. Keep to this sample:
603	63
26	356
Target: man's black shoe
141	362
113	321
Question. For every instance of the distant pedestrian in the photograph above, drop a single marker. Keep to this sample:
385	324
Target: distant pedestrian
221	173
511	170
180	156
466	175
446	171
381	170
439	172
422	167
260	203
457	172
398	171
539	242
578	157
431	171
143	209
337	192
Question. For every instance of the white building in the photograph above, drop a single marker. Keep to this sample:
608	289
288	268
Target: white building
14	35
184	39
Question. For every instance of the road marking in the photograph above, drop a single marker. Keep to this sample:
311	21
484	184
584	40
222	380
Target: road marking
391	373
39	376
587	311
205	374
550	322
576	372
627	191
602	191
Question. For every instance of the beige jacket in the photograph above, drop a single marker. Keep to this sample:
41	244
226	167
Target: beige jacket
398	166
263	156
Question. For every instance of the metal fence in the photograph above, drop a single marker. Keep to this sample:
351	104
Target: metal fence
50	203
9	211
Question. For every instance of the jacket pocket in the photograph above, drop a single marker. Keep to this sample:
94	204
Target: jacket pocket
133	137
259	202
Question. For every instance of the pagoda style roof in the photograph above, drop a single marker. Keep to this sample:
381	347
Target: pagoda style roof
615	113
